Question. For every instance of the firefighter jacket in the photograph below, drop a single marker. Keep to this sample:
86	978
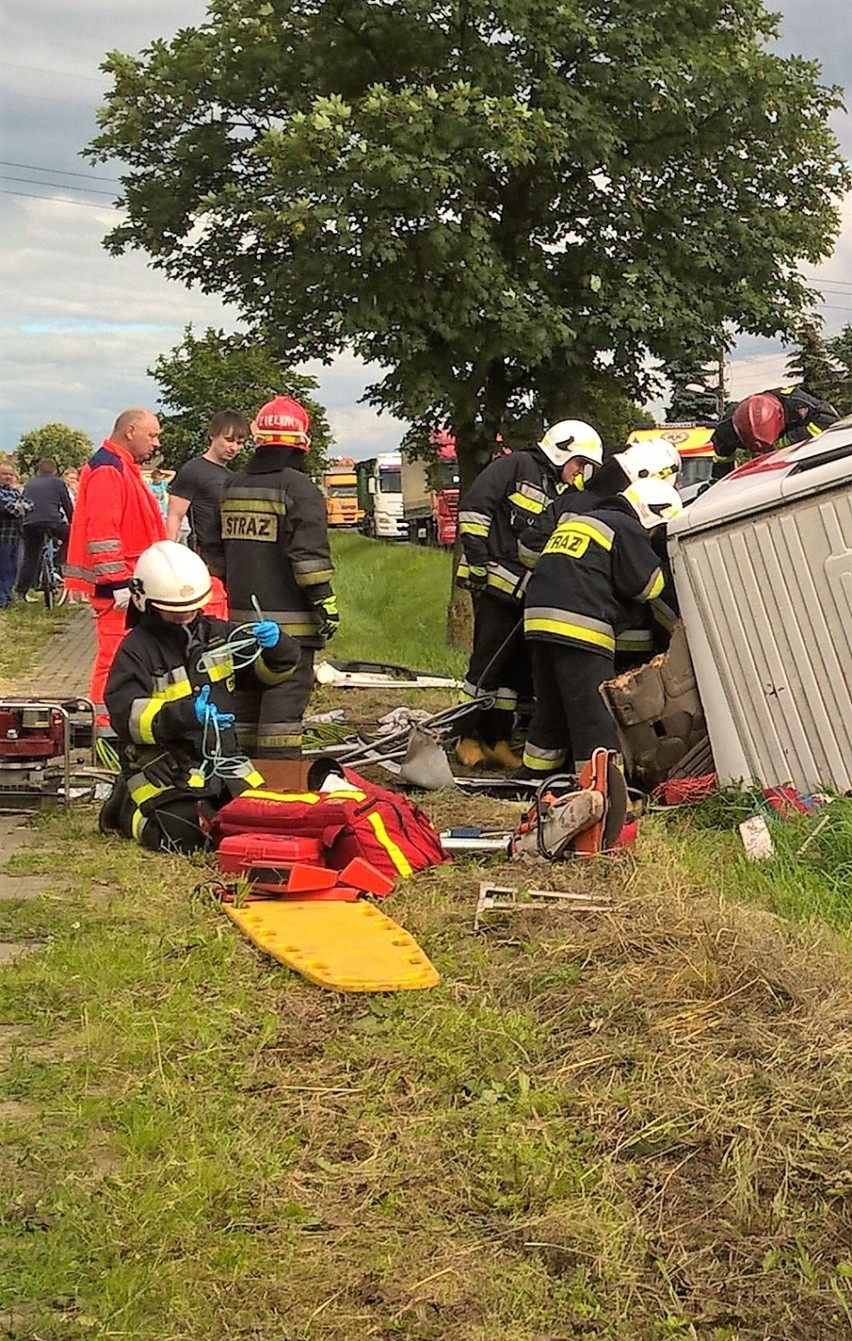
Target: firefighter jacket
592	568
150	696
275	539
116	517
804	417
500	504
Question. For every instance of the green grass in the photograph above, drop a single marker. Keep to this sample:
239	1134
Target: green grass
629	1127
393	604
809	875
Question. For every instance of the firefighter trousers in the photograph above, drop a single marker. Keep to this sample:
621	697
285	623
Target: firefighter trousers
571	719
269	721
176	824
499	664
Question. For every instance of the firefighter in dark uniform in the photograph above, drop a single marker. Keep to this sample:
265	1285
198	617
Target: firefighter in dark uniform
275	540
502	501
646	629
170	698
593	567
768	421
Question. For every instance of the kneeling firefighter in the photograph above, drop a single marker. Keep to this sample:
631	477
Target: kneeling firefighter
170	700
593	567
499	506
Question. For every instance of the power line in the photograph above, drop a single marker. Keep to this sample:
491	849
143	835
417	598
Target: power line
813	279
63	186
87	204
59	172
64	74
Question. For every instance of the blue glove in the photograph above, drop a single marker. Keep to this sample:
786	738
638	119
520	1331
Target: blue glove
202	705
205	711
266	633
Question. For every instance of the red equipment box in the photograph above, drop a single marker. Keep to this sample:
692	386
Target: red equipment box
266	860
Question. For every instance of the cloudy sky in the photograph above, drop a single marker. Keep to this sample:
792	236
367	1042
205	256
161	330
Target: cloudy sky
78	328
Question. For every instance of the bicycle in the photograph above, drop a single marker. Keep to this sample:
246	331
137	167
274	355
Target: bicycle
49	581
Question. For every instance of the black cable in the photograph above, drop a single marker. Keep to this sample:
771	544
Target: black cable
63	186
59	172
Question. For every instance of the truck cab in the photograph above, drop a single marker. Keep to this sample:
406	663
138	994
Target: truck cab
380	496
340	487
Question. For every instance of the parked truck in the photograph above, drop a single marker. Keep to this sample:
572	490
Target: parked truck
430	495
380	496
340	486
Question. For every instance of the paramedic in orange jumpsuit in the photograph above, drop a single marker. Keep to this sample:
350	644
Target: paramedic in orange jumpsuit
116	517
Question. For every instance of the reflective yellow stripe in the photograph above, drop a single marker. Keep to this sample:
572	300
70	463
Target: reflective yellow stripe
221	671
500	584
393	850
656	587
146	719
528	504
195	779
254	779
137	825
310	797
566	630
271	677
474	528
139	795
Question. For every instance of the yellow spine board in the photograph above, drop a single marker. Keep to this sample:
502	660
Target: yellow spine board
349	947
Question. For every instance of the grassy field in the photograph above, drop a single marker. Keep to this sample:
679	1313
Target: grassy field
25	631
393	599
630	1126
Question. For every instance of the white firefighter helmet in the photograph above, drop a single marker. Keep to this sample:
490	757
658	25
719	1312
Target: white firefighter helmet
654	501
656	457
571	437
170	577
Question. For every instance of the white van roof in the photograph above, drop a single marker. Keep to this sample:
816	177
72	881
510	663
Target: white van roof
819	463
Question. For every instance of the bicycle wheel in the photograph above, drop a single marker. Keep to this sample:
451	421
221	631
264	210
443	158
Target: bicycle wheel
45	580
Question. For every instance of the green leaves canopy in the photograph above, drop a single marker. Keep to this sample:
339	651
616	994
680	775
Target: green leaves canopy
67	446
227	372
500	203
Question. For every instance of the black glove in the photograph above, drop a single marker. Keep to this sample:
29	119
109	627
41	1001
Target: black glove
330	616
473	580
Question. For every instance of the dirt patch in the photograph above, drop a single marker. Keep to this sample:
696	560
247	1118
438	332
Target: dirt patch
11	1110
10	951
22	886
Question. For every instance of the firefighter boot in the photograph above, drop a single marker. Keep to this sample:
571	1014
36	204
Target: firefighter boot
109	817
502	754
469	751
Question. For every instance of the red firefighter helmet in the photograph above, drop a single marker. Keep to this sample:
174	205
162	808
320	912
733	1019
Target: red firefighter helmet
758	423
282	422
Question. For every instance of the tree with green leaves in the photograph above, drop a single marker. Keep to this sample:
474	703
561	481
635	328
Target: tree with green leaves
501	204
67	446
811	366
697	394
227	372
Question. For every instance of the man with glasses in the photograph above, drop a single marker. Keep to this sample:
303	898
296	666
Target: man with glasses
196	492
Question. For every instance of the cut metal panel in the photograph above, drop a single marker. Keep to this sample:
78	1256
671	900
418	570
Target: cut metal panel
767	605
